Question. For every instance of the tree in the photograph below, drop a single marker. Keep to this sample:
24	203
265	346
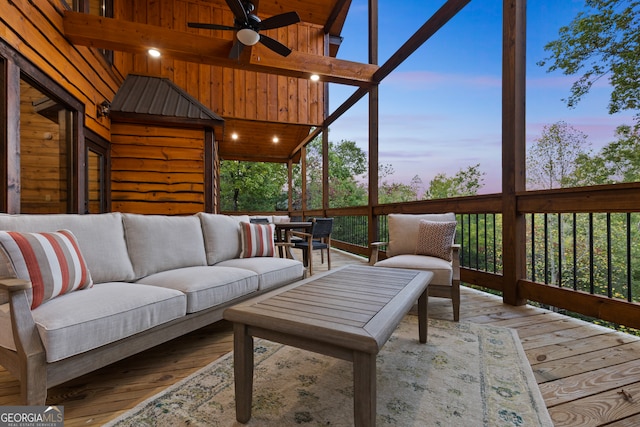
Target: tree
252	186
551	160
604	41
466	182
396	192
346	162
618	161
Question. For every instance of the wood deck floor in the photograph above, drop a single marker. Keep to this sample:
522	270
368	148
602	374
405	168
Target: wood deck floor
588	375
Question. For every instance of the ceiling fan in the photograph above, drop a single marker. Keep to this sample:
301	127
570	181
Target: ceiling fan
248	26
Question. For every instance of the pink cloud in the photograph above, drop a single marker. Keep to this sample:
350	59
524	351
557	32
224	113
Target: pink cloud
420	79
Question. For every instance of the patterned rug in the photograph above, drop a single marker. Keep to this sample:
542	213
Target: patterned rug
466	375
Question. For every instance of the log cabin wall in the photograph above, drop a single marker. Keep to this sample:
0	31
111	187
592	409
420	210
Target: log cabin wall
228	93
33	46
157	170
35	29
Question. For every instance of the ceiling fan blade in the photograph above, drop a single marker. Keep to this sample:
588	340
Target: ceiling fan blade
236	49
238	10
275	45
209	26
278	21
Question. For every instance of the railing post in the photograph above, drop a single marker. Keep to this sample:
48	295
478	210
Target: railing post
373	125
513	147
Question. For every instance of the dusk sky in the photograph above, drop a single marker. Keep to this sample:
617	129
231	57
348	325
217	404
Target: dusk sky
440	111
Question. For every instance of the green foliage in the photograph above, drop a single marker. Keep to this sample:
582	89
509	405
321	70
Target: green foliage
466	182
252	186
603	41
346	162
618	161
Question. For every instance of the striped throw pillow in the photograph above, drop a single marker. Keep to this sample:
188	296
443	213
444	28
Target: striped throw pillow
435	238
257	240
52	262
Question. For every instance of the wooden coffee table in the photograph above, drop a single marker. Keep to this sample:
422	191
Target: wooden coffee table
348	313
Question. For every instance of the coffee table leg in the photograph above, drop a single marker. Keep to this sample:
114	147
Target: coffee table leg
364	389
243	371
423	325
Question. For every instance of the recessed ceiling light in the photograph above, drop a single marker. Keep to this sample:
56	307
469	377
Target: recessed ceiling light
155	53
314	77
234	136
275	139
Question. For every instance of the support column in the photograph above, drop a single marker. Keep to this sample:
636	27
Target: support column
513	147
12	135
374	111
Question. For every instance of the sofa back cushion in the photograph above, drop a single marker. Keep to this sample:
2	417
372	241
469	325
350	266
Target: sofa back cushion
100	238
221	236
51	261
404	230
159	243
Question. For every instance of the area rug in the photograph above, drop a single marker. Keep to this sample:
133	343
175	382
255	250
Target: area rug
466	375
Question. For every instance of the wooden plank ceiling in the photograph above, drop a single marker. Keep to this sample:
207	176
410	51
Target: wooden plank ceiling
254	138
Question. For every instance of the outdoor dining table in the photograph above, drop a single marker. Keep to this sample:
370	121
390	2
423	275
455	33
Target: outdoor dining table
282	233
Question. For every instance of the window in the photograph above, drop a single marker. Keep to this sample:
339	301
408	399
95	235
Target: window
97	186
47	138
42	132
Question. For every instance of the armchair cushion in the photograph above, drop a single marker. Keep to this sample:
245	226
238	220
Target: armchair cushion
404	228
442	270
435	238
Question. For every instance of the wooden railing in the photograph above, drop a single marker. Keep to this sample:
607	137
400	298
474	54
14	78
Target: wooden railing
582	244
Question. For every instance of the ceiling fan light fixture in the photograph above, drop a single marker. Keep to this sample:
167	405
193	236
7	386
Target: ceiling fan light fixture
248	37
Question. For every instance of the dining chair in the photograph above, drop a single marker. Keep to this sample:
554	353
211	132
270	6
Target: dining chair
318	239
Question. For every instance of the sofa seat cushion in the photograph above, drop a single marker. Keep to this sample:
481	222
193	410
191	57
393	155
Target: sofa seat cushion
442	270
206	287
81	321
272	272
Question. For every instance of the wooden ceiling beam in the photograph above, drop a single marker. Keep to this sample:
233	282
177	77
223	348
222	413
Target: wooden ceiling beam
428	29
113	34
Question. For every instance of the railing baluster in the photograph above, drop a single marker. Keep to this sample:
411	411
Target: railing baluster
628	249
560	250
486	252
546	248
476	216
591	260
533	248
575	252
495	259
609	269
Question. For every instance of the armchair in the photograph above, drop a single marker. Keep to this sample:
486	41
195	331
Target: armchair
424	242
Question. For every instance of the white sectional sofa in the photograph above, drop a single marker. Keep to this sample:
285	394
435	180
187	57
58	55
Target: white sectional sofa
154	278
